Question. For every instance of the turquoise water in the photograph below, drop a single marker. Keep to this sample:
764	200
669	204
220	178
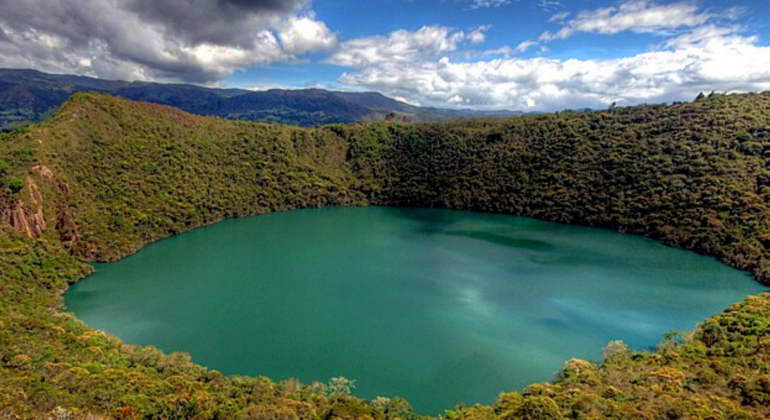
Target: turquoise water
437	306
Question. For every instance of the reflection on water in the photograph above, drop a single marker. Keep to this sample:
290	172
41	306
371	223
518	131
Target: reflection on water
437	306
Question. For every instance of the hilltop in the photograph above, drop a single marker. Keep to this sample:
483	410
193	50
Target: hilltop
31	96
104	177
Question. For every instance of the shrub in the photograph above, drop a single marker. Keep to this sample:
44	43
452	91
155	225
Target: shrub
15	185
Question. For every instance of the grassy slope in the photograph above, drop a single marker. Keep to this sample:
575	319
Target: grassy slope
125	174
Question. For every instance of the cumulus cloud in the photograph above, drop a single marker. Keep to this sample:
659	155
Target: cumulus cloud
199	41
299	35
204	41
634	15
691	53
220	22
507	51
402	46
478	35
706	59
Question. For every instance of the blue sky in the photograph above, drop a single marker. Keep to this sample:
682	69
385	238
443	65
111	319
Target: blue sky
484	54
507	25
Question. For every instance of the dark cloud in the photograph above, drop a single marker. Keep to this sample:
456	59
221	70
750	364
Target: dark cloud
217	21
262	5
199	41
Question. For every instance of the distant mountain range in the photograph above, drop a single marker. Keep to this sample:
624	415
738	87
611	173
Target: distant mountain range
30	96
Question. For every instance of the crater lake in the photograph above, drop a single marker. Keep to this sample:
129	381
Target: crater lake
437	306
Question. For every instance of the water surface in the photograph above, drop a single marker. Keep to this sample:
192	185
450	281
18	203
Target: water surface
437	306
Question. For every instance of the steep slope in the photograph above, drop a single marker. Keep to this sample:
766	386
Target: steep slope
138	172
29	96
105	176
693	175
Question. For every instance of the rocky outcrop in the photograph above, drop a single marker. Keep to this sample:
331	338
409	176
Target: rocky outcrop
44	172
26	212
27	216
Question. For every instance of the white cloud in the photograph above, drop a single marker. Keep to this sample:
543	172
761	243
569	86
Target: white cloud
695	55
524	46
550	5
708	58
406	101
299	35
703	35
506	51
432	66
402	46
478	35
642	16
476	4
559	17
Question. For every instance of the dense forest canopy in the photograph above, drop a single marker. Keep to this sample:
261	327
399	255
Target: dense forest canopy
104	176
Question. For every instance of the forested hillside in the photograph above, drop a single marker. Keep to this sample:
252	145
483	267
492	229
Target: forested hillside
694	175
105	176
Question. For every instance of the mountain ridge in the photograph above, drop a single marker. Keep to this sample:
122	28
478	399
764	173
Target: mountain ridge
31	95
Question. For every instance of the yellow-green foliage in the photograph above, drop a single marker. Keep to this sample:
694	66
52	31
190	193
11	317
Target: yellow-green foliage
124	174
141	172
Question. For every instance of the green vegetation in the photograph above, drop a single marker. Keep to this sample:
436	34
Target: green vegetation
692	175
104	177
138	173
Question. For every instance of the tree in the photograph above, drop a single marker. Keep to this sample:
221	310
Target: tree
615	350
15	185
539	408
341	386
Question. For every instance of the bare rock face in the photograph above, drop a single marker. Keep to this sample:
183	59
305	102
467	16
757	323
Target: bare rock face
30	223
37	219
26	213
43	171
17	218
